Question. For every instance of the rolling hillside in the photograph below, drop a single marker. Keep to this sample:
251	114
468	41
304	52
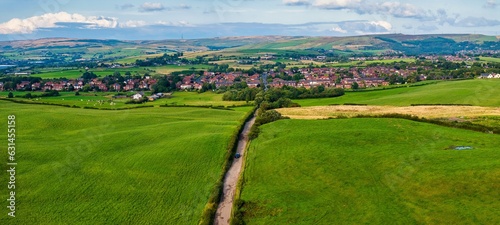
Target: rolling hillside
374	44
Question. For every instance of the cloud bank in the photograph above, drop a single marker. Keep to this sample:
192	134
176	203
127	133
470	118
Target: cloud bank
152	7
53	20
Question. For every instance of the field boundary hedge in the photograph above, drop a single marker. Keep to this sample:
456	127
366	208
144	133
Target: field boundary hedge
198	106
36	103
208	215
441	105
71	106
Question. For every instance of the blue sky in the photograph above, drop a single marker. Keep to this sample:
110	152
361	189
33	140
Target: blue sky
139	19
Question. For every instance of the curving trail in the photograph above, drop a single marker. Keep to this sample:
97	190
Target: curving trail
223	214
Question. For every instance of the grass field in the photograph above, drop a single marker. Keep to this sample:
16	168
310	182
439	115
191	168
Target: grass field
133	59
490	59
142	166
370	171
474	92
174	68
389	61
106	100
69	74
194	98
77	73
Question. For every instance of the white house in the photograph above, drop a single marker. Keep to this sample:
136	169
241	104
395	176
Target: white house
137	96
186	86
489	76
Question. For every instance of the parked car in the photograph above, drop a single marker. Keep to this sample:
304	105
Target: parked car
237	155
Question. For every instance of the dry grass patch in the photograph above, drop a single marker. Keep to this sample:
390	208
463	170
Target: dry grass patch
322	112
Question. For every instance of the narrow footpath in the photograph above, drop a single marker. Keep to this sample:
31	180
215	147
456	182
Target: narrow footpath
231	179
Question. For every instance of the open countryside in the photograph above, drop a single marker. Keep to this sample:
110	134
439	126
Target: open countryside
374	129
377	171
142	162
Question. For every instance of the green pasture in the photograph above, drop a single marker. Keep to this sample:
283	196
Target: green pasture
370	171
474	92
141	166
198	99
69	74
175	68
105	100
77	73
490	59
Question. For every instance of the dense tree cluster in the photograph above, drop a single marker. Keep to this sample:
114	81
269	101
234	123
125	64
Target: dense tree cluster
48	93
166	59
274	94
246	94
299	93
87	76
166	83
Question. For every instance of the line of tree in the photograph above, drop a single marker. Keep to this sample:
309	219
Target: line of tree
273	94
246	94
48	93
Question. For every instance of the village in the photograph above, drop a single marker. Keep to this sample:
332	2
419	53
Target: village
308	78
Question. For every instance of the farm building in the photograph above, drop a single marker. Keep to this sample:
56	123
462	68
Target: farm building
137	96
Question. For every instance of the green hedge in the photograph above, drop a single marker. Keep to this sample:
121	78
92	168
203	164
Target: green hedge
71	106
441	105
199	106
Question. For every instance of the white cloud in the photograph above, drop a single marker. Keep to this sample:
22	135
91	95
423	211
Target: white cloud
338	30
384	24
477	22
51	20
395	9
124	6
490	4
398	9
152	7
133	24
181	23
184	6
337	4
366	27
296	2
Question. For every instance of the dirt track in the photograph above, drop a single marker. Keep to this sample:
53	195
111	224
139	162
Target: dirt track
321	112
231	179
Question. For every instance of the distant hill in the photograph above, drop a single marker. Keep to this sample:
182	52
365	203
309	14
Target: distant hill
408	44
369	44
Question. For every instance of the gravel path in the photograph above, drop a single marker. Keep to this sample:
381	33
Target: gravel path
231	179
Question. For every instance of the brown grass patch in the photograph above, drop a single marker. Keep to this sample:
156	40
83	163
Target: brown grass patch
322	112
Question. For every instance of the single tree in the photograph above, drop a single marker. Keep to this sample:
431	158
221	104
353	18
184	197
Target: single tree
355	85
